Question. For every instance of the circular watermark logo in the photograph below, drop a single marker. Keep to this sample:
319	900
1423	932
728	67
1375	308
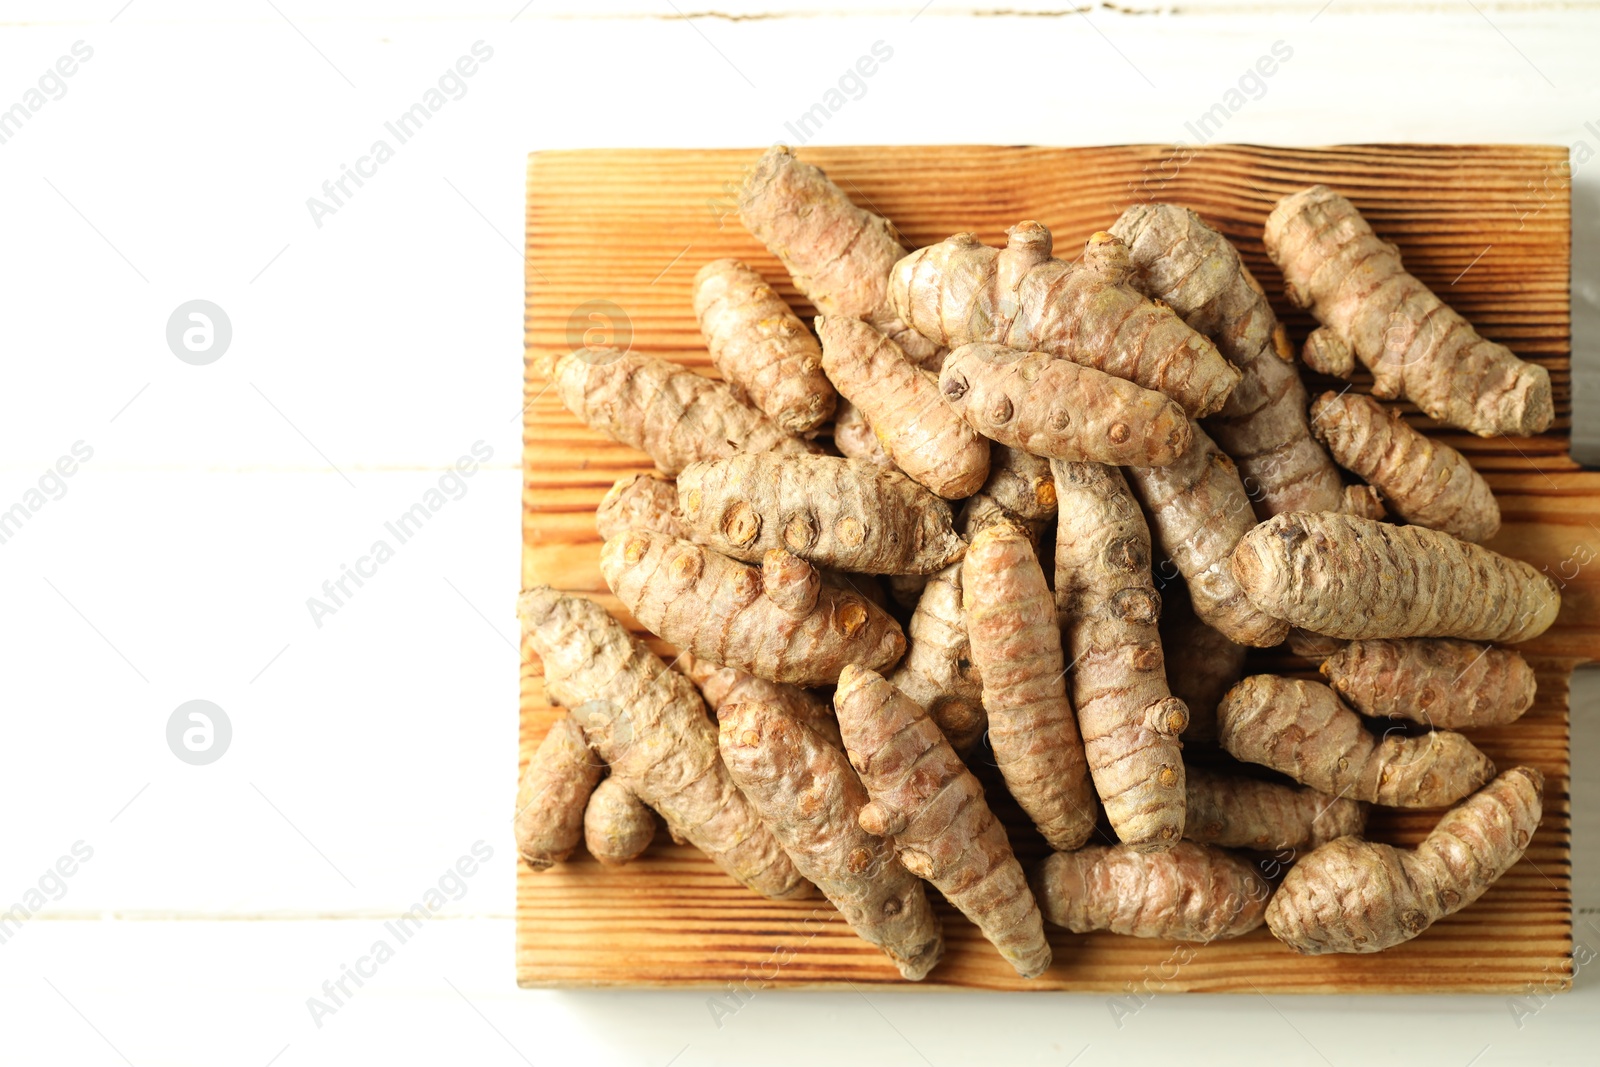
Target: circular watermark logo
199	332
198	732
599	331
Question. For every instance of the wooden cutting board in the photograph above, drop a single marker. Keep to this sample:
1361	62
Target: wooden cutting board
613	242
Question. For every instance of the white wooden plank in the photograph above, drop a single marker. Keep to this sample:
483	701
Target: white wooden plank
392	332
202	993
386	737
337	11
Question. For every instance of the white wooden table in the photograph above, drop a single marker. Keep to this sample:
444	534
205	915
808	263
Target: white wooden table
375	344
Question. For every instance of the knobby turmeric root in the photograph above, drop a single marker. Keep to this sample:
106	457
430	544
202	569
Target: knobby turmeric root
960	291
981	511
1425	482
660	408
854	437
1262	426
1016	648
724	686
834	512
811	799
647	722
1301	729
1059	410
761	346
1109	609
1200	511
922	434
938	672
617	826
1202	664
650	502
838	254
925	799
640	502
1324	353
1352	895
777	622
561	774
1188	893
1354	578
1413	343
1363	502
1454	684
1021	483
1237	812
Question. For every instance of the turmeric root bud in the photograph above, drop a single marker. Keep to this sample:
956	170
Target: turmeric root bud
1354	578
1016	648
924	797
1352	895
561	774
922	434
960	291
938	672
1414	344
669	412
1108	609
838	254
834	512
1021	483
617	825
1425	482
648	724
724	686
1262	425
761	346
1237	812
1301	729
1326	353
855	438
1188	893
1056	409
811	799
1438	682
790	582
757	620
640	501
1200	510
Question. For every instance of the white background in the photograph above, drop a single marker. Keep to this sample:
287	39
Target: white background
371	352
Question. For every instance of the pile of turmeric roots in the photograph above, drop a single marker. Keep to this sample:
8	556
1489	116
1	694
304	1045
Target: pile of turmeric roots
958	412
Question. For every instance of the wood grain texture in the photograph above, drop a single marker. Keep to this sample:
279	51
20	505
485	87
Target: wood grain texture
620	234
